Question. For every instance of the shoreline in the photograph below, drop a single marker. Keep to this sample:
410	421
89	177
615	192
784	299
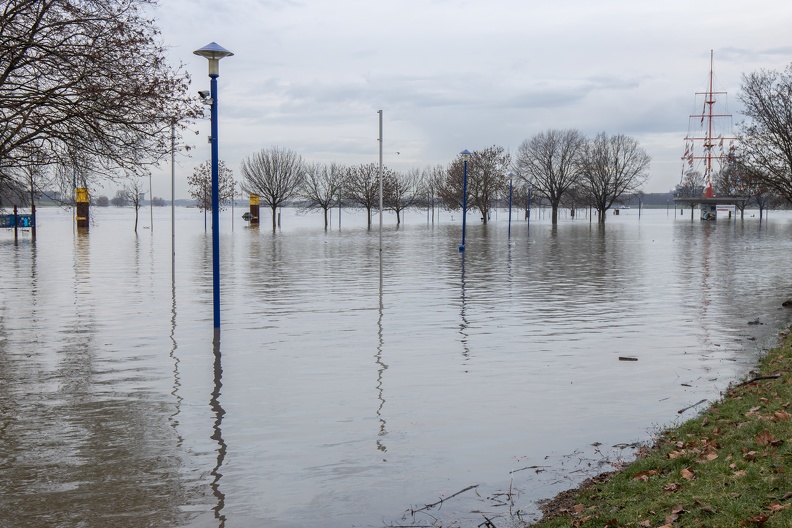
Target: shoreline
724	467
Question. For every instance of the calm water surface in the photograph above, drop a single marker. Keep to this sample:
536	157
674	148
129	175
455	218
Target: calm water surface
346	390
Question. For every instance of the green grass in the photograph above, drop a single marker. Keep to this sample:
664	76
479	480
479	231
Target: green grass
729	467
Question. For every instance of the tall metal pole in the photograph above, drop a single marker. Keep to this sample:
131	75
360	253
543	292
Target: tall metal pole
380	179
528	215
213	53
215	207
233	199
511	177
465	153
173	201
151	205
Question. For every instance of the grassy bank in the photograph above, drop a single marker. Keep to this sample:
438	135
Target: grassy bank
731	466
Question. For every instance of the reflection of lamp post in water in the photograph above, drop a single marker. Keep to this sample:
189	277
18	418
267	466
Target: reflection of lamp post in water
381	367
465	154
217	435
213	52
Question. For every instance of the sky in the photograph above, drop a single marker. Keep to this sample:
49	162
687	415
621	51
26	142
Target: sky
448	75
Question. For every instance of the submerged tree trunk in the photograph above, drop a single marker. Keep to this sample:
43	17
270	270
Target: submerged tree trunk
554	215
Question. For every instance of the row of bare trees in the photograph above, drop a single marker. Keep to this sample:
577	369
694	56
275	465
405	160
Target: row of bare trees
559	166
597	172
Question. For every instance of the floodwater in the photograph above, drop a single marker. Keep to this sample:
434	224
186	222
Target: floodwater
346	390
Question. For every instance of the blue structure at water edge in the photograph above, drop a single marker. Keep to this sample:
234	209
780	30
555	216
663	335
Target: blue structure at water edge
20	220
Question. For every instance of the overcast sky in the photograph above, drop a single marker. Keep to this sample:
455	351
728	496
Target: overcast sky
310	75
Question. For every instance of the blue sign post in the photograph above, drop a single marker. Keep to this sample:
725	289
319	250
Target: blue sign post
11	221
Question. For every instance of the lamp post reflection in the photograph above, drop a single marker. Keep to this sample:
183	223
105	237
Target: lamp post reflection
464	324
381	368
217	434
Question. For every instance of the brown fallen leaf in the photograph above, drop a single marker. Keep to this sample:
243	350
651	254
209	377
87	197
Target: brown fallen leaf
644	475
764	438
758	520
672	487
687	474
704	506
777	506
739	474
781	416
645	524
750	455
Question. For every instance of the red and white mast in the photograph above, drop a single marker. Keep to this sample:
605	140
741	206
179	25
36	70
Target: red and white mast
708	139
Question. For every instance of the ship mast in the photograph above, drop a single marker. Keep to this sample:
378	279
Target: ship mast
708	144
708	132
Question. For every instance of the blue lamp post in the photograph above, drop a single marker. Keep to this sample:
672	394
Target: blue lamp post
214	52
528	208
465	155
511	178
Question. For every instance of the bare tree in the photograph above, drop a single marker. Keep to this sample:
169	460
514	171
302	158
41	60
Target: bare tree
734	180
486	175
12	193
612	167
752	183
361	187
431	181
134	192
550	162
120	199
200	185
87	76
276	175
400	191
766	137
322	187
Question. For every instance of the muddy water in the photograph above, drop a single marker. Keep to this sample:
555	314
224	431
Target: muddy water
344	390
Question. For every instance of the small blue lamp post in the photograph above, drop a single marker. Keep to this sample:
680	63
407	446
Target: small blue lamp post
511	177
528	208
465	155
214	52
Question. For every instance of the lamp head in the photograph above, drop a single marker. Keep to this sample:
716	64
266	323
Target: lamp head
213	52
465	154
